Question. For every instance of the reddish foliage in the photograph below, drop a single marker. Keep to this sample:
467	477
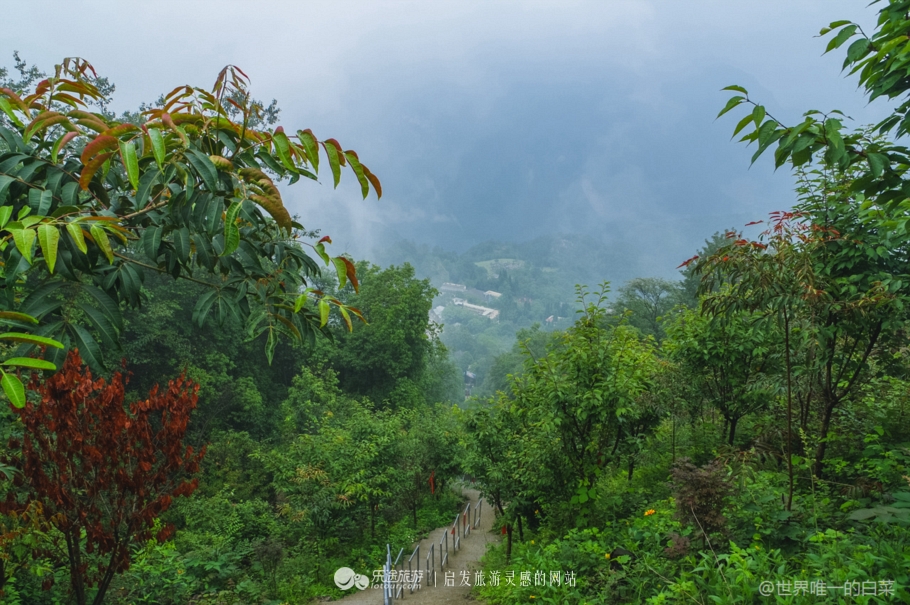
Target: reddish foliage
688	262
103	471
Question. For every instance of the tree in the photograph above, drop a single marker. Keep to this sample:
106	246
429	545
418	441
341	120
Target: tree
580	407
387	358
691	281
727	359
863	175
648	299
828	275
492	456
89	204
102	471
528	341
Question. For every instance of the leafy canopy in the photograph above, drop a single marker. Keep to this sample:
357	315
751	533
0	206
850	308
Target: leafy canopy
88	205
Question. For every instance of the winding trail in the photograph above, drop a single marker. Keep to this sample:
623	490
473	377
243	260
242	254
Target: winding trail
466	559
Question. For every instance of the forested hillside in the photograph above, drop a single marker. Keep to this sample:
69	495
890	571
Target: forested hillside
532	285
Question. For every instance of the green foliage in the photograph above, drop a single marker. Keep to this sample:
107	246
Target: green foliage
379	359
11	384
529	341
648	301
727	360
88	205
573	412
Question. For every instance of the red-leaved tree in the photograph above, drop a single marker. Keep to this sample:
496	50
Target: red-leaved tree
103	470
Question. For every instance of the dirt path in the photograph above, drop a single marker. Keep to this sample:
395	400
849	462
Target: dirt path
466	559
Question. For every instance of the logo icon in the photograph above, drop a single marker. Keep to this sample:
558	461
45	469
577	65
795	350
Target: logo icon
346	577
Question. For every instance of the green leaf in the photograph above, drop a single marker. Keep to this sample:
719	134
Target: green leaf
130	162
31	339
320	250
742	124
13	315
108	305
25	240
323	312
841	37
49	239
146	182
758	114
78	237
151	242
231	239
88	348
347	317
100	322
270	345
29	362
736	88
158	148
341	269
233	211
204	256
766	132
354	161
182	244
298	304
5	213
70	194
204	168
334	162
231	231
203	306
60	143
8	110
102	241
856	50
283	148
863	514
309	142
733	102
13	388
877	163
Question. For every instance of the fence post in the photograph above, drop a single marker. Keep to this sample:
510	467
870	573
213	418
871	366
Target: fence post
399	581
430	565
386	576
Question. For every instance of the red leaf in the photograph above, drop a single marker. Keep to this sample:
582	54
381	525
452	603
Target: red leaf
92	167
688	262
100	143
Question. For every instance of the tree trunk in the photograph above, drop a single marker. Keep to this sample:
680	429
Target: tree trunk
508	542
789	411
521	531
823	434
372	520
631	466
732	437
673	438
106	581
75	560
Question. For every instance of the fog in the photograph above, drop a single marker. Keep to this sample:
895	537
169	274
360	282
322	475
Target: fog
506	120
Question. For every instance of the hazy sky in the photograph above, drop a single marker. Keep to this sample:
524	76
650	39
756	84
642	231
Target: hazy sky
493	120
